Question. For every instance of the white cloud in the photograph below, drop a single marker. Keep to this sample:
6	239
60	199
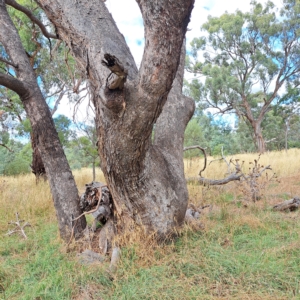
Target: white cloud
129	19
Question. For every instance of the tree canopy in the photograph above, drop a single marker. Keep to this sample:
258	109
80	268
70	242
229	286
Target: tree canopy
251	61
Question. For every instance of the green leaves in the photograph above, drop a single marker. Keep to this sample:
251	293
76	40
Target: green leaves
247	60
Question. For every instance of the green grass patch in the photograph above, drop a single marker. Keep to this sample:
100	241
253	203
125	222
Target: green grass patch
243	253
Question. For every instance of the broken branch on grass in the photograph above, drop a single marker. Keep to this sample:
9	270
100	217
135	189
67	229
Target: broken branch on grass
19	228
291	205
205	181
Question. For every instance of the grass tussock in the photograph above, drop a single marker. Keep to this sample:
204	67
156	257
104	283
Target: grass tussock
245	251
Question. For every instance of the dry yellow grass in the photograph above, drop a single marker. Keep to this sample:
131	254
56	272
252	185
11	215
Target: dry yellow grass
286	165
239	255
283	163
33	201
21	193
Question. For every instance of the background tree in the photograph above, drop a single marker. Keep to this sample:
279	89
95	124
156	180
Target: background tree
23	81
53	66
86	144
249	59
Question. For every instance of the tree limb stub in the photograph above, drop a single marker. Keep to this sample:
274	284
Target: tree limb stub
120	73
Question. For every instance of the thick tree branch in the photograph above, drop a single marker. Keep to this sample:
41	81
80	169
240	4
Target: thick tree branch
32	17
8	62
61	180
68	17
14	84
168	20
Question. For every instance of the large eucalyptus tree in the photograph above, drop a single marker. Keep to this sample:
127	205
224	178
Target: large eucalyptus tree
251	61
145	176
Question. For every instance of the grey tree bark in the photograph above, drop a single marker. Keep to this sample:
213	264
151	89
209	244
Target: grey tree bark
62	184
145	178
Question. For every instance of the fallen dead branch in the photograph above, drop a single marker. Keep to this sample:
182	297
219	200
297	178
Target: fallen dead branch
248	183
19	228
288	205
205	181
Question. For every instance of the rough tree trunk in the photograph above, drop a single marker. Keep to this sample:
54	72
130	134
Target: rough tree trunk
62	184
146	180
37	165
259	141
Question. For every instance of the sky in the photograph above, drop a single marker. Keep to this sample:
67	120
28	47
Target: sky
129	21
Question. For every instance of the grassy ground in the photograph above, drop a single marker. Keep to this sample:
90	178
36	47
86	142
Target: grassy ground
246	251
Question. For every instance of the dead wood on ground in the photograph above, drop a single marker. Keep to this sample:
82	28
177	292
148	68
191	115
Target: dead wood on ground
288	205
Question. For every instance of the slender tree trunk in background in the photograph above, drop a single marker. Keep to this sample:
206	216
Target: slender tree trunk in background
146	180
61	180
287	125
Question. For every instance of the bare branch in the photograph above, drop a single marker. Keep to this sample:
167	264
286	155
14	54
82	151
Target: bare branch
19	228
205	181
271	140
54	109
205	156
10	150
56	46
32	17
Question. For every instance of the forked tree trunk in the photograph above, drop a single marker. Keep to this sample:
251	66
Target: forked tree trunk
146	179
62	184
